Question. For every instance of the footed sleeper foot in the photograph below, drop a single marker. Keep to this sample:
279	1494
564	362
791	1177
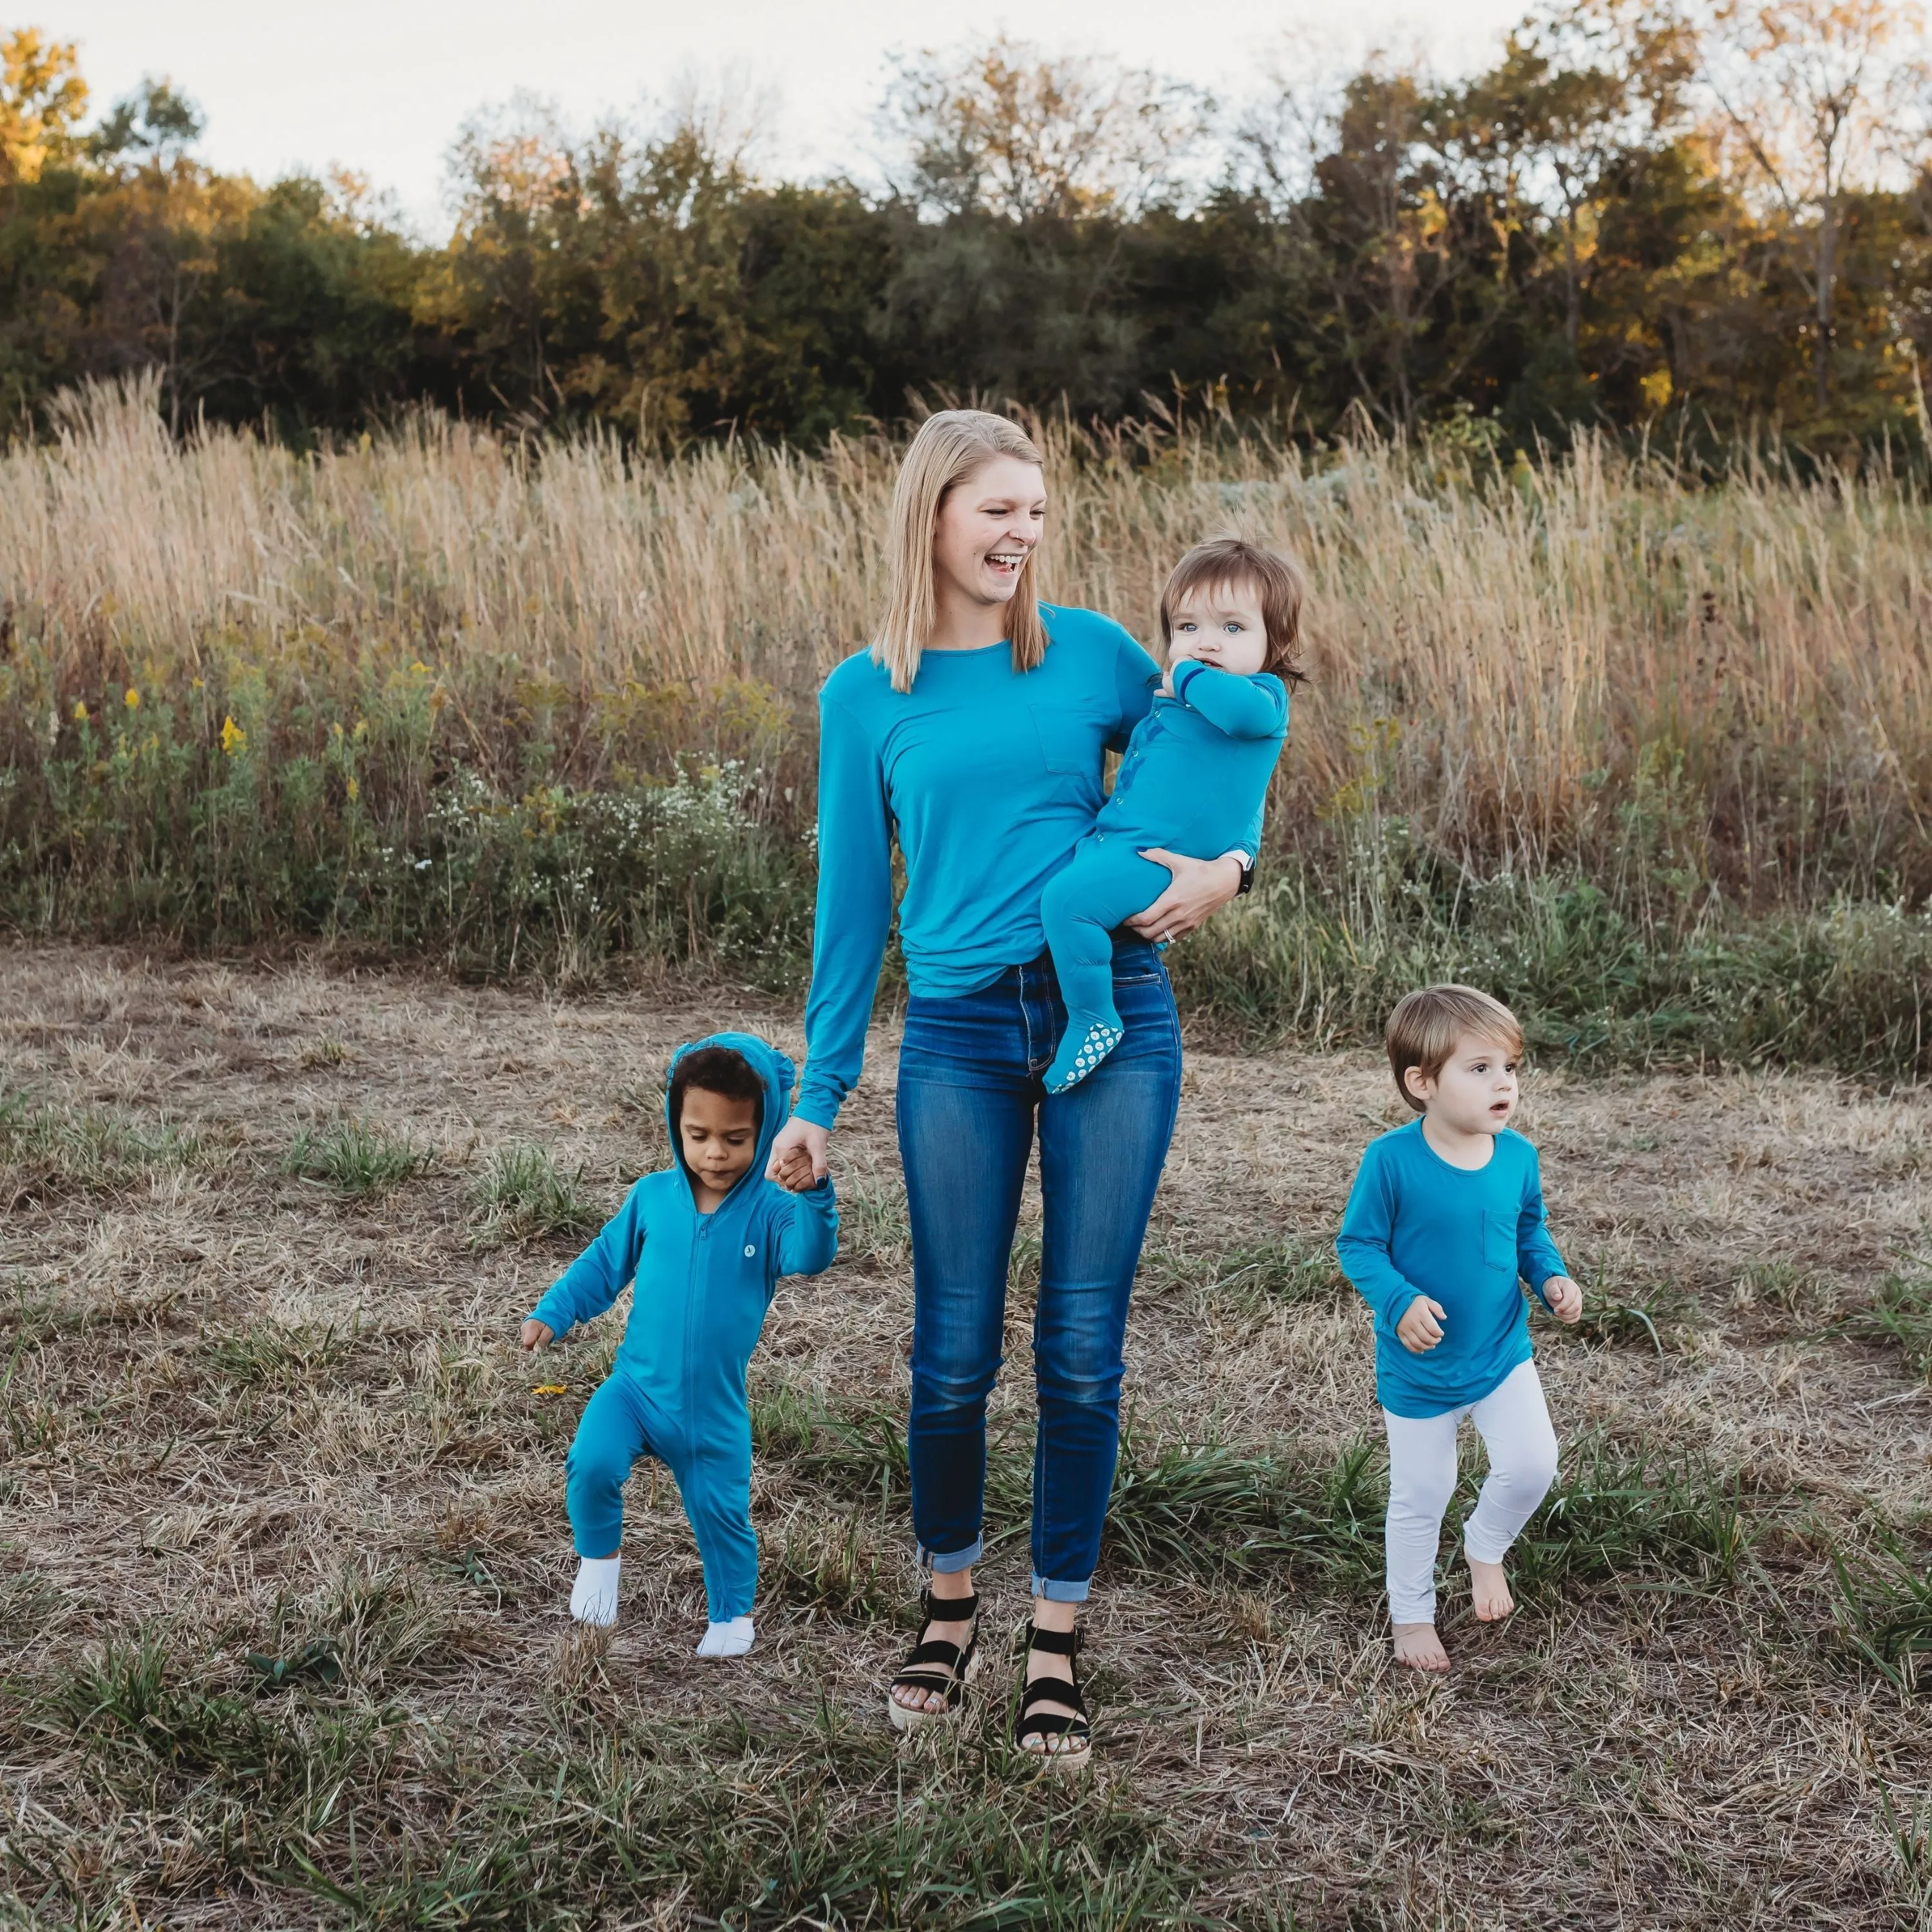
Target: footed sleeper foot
593	1598
1083	1047
730	1639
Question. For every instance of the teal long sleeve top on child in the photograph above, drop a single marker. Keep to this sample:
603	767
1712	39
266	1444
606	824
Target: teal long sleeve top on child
988	777
1195	776
703	1281
1417	1224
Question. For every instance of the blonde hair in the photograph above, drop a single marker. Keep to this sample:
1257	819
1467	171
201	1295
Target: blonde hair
1425	1025
949	446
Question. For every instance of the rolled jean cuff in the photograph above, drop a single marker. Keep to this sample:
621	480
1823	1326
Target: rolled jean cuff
1060	1593
945	1562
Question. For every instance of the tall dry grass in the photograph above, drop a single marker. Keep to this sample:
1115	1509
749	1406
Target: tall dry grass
1504	656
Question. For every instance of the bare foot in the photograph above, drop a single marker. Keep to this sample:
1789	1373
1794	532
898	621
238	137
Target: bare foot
1418	1646
1490	1592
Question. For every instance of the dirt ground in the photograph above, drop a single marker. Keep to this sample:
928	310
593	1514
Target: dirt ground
242	1406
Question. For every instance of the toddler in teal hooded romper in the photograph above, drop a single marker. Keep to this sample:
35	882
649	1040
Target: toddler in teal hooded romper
1192	780
703	1281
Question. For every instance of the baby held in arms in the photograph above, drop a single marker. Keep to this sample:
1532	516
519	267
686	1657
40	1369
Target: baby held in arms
1193	780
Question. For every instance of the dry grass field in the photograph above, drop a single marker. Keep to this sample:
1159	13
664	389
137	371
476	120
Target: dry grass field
285	1563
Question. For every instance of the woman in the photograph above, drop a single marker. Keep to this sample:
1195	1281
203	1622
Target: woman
975	730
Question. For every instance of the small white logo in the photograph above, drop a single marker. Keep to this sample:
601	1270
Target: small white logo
749	1253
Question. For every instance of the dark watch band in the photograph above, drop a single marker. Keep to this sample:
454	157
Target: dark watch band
1247	884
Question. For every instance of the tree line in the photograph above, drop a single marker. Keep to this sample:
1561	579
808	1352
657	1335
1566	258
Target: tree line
1637	217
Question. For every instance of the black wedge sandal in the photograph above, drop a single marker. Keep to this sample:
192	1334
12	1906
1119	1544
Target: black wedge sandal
938	1666
1076	1733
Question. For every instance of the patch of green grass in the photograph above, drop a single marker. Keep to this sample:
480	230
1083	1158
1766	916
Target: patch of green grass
872	1223
1211	1510
525	1194
785	1415
1621	1313
751	1823
29	1601
359	1159
1901	1313
835	1570
1633	1515
1885	1610
1791	1290
1283	1271
272	1356
48	1151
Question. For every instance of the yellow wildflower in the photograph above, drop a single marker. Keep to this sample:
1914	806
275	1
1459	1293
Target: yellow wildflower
421	669
80	711
355	791
549	1388
131	698
233	738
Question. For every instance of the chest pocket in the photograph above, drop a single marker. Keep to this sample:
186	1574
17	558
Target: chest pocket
1498	1240
1071	743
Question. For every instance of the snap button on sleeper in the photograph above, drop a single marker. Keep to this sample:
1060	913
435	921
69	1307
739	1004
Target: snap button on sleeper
749	1253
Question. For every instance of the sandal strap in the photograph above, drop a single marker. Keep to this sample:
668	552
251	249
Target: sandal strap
938	1651
1055	1643
928	1680
947	1609
1053	1690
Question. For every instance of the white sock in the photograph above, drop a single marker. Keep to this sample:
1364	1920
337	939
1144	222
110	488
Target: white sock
731	1640
593	1598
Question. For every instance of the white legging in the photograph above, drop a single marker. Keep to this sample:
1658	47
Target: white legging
1513	1422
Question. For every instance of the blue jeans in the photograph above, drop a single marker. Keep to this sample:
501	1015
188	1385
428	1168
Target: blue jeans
969	1095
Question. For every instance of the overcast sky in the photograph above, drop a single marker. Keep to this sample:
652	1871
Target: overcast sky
381	86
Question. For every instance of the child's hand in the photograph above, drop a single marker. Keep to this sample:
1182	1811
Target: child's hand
1564	1298
798	1155
1420	1327
1167	681
535	1335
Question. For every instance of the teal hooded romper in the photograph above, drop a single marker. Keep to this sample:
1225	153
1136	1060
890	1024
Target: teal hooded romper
676	1390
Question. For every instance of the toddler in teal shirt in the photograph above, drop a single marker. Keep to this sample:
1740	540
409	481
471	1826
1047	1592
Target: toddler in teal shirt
1192	780
702	1245
1445	1215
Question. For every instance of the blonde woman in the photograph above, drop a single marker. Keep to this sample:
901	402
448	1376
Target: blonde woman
974	732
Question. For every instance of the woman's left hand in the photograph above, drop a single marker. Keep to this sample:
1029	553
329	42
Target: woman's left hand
1199	887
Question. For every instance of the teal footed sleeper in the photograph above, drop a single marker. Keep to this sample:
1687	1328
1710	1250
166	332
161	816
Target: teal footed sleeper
1193	781
676	1390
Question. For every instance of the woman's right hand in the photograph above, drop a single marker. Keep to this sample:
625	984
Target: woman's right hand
798	1155
535	1334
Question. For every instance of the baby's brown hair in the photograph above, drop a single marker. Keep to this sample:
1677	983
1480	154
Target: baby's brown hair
1423	1031
1233	560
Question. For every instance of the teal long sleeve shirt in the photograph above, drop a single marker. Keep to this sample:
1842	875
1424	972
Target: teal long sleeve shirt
1195	774
988	777
1415	1224
703	1282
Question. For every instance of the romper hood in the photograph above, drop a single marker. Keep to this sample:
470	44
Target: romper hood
775	1075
